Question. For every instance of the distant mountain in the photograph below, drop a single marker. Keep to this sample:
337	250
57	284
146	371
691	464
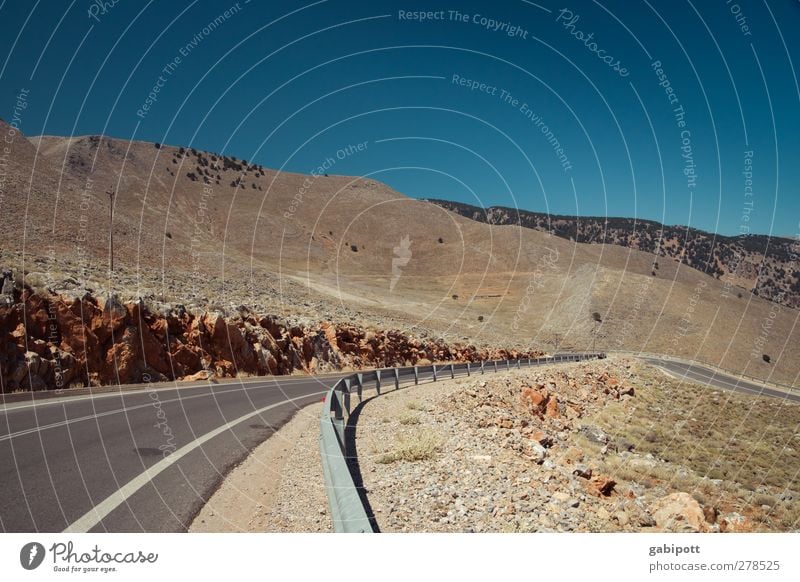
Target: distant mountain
763	265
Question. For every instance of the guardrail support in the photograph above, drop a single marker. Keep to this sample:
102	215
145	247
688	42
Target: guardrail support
434	372
495	365
397	378
347	395
378	382
416	375
482	370
508	365
518	364
452	371
338	414
468	371
359	386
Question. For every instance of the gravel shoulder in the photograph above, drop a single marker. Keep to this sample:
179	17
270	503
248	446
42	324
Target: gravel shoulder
279	487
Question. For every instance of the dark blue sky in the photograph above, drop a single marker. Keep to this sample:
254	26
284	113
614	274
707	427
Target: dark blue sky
290	84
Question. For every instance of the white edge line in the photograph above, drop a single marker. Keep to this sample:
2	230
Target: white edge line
95	515
161	386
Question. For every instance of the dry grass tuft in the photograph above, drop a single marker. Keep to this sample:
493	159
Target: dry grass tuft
417	447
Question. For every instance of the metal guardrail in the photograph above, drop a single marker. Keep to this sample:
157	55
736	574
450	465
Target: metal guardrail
348	512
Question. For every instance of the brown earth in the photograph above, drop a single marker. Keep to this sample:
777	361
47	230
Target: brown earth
214	233
764	265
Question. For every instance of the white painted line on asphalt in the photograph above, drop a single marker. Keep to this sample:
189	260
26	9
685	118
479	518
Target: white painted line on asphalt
149	404
100	511
160	387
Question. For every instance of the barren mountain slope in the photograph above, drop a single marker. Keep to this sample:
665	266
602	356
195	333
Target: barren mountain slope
193	227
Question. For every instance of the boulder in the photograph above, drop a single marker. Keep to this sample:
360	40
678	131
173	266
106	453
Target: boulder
601	485
679	512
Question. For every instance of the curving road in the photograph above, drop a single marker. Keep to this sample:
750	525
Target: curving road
698	374
97	462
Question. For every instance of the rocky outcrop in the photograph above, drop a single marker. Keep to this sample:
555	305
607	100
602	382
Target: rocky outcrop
51	342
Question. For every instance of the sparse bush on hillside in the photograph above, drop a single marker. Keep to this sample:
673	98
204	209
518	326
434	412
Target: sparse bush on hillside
480	318
354	248
766	358
441	240
36	283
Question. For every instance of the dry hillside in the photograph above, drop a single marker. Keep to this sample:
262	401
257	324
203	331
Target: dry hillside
203	230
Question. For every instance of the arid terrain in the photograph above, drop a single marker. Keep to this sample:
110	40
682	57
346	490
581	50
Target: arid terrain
604	446
198	235
763	265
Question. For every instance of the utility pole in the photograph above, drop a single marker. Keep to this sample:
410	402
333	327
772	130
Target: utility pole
111	193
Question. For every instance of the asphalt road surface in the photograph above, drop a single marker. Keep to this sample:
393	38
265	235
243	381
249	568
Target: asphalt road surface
702	375
98	463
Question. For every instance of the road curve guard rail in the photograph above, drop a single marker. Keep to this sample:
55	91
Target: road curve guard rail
348	511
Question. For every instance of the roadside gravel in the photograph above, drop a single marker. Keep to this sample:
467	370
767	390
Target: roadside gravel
278	488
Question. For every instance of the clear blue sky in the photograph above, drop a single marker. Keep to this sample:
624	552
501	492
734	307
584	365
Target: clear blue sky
288	84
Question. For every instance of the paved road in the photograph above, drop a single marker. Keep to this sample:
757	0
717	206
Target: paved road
97	463
702	375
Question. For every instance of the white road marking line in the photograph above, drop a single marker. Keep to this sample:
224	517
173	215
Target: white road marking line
100	511
149	404
243	383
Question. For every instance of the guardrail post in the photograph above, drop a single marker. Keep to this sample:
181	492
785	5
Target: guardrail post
378	382
452	371
434	372
508	364
338	410
359	385
468	371
336	405
529	361
518	364
495	365
482	369
397	379
416	375
347	395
